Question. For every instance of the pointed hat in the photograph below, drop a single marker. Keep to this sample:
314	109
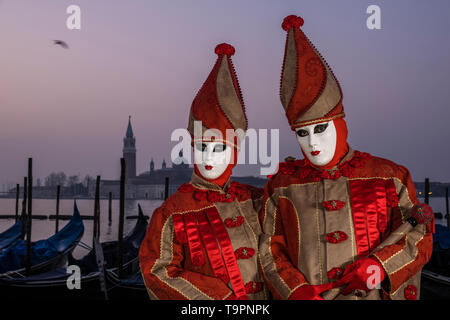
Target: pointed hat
309	91
219	104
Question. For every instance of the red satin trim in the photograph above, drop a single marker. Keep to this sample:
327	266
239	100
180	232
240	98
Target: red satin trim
228	253
178	225
382	202
358	195
369	207
391	194
212	248
375	204
193	236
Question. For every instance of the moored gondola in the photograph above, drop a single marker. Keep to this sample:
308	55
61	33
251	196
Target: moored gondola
11	235
54	284
46	254
435	282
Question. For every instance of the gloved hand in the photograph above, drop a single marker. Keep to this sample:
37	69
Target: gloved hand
357	274
310	292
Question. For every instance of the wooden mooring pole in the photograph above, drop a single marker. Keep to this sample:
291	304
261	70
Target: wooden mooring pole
97	185
96	234
29	216
447	216
110	208
58	194
24	206
166	189
427	190
17	201
121	215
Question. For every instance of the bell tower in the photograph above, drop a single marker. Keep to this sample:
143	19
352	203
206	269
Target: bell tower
129	152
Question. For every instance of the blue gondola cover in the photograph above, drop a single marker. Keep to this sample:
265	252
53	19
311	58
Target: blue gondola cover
441	237
11	235
13	257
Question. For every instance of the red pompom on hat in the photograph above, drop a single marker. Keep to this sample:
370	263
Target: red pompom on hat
224	48
292	21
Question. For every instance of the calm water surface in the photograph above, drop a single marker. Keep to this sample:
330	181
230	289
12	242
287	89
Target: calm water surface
42	229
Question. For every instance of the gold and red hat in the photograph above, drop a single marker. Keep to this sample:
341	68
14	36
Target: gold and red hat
309	91
219	104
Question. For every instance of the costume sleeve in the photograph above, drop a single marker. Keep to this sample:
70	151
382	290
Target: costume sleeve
257	195
404	259
162	258
280	275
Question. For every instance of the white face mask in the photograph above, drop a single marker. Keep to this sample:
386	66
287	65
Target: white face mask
212	158
318	142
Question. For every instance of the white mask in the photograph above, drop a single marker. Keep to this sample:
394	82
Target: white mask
211	158
318	142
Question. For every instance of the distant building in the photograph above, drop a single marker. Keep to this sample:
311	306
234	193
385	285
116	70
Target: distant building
147	185
151	184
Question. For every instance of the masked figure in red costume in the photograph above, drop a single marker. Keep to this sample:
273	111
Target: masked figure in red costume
202	243
325	217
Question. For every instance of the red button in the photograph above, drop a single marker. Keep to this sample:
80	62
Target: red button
234	222
333	205
244	253
253	287
411	292
336	237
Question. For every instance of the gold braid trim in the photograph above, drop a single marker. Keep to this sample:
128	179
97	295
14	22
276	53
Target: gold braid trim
324	119
193	210
383	263
269	259
352	228
162	275
318	234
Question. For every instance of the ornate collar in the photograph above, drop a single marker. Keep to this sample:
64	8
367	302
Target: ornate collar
205	190
308	171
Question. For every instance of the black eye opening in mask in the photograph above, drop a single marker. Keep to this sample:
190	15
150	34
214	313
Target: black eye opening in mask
302	133
218	148
320	128
317	129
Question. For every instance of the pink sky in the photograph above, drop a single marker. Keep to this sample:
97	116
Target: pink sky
68	109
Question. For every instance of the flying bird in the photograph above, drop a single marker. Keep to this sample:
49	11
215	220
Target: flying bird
61	43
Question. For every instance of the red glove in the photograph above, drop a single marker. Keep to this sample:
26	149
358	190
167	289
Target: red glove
360	275
309	292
